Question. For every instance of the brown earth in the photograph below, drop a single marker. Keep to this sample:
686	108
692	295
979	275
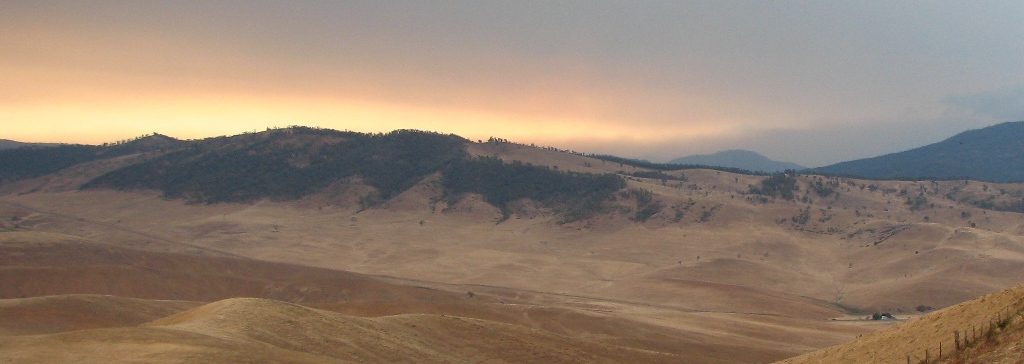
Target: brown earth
260	330
716	265
36	264
41	265
53	314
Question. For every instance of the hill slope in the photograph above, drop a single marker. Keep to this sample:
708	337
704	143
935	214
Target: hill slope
741	159
36	264
294	163
259	330
973	319
60	313
74	284
995	153
692	262
36	160
10	144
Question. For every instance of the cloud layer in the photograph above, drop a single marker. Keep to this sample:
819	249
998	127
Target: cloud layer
813	83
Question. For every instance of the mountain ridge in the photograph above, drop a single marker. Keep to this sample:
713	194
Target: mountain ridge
13	144
739	159
9	144
994	153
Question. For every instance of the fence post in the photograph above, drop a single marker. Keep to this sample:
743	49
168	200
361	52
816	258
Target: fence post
956	339
940	350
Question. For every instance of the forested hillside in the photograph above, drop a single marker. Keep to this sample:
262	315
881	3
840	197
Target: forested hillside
288	164
579	194
36	160
995	153
291	163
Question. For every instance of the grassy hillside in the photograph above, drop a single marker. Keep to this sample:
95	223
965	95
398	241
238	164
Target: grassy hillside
685	261
982	330
579	195
76	309
244	330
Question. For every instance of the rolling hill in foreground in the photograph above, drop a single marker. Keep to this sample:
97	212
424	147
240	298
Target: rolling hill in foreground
995	153
739	159
443	249
261	330
988	329
92	302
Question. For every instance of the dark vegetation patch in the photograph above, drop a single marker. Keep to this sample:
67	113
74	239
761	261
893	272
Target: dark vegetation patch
658	175
802	217
991	204
919	202
666	166
24	163
826	188
777	185
577	195
35	161
288	164
996	199
646	205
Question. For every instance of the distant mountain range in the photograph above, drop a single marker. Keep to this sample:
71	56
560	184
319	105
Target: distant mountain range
10	144
741	159
994	153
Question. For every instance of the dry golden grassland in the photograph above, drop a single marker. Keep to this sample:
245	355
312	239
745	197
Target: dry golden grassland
716	275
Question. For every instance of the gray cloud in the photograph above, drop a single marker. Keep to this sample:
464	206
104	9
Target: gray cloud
815	83
814	147
1003	104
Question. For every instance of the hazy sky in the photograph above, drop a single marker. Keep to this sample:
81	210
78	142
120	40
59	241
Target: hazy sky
809	82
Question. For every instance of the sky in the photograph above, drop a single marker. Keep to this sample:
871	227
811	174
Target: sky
813	83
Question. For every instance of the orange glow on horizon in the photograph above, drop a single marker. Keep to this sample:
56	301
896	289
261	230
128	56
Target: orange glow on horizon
201	117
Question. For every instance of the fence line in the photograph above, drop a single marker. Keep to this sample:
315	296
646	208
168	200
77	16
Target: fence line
968	337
